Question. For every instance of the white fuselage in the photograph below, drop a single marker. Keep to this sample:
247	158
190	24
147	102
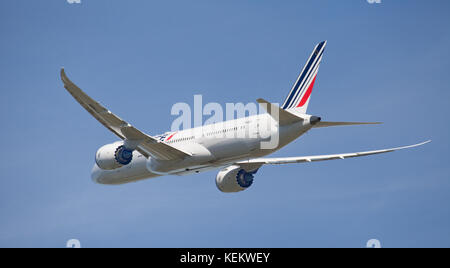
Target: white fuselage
211	146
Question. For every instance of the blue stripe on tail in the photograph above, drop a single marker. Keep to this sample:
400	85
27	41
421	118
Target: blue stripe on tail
304	76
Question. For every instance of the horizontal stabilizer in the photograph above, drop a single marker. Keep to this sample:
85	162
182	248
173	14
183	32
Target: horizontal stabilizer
336	124
282	116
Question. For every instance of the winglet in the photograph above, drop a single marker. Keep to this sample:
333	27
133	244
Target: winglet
414	145
63	74
64	78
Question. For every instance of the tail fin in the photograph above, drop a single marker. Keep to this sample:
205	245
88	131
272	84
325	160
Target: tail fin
300	93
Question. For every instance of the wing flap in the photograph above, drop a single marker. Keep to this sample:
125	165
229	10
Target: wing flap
147	145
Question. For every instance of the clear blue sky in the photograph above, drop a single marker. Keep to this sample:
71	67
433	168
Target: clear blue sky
386	62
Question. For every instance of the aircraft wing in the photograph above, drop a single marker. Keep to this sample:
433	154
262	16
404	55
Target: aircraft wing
147	145
303	159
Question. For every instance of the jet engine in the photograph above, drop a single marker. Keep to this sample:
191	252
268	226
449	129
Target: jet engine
234	179
112	156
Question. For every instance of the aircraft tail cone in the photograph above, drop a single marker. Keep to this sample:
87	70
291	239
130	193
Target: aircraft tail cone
314	120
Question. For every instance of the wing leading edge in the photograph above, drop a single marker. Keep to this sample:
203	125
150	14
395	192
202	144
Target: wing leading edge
303	159
147	145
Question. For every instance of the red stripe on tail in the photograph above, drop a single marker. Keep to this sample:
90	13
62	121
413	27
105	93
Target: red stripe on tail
307	93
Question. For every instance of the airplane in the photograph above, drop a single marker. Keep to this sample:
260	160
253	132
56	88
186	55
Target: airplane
239	156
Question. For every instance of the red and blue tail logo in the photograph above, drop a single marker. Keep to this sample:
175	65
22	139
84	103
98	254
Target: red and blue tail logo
302	89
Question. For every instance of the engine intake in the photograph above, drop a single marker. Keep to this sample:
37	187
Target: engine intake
234	179
245	179
123	155
113	156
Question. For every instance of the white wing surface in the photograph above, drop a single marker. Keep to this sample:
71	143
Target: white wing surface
303	159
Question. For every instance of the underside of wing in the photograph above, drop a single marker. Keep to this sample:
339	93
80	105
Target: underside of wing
302	159
147	145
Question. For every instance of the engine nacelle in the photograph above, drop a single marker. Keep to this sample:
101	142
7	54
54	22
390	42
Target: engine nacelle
234	179
112	156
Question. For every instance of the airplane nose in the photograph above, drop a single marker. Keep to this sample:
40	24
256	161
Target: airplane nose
314	120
